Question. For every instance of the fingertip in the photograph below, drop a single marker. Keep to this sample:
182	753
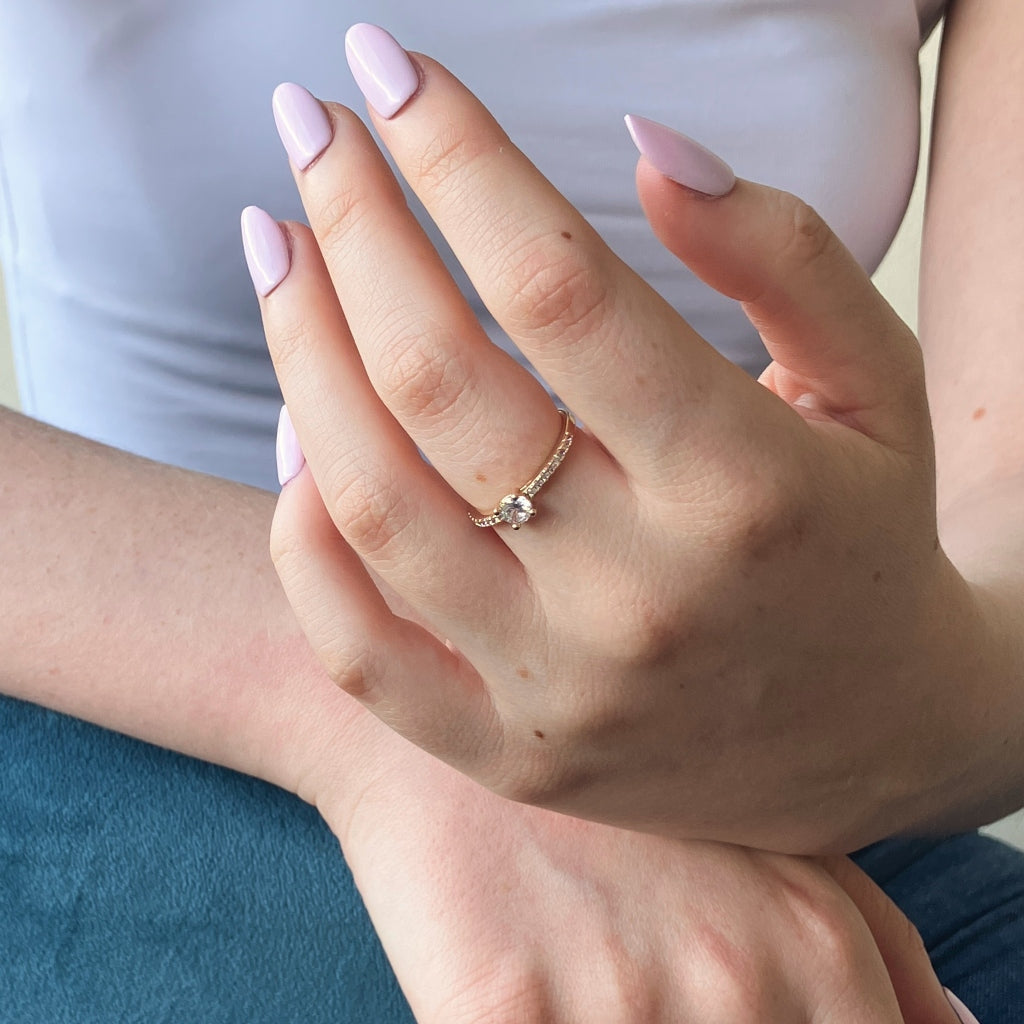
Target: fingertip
383	70
680	158
267	249
290	459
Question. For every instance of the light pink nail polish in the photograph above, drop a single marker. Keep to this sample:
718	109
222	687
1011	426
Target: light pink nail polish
961	1011
301	122
678	157
290	459
381	68
266	249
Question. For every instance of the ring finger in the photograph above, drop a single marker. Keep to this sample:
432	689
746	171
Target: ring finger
483	421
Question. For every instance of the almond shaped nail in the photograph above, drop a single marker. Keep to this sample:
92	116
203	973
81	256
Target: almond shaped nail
302	123
266	249
680	158
382	69
290	459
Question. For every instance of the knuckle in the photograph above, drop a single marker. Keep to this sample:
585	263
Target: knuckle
506	990
369	508
288	550
290	338
416	373
835	943
538	780
447	157
649	631
639	622
806	238
338	221
764	519
561	296
350	666
735	976
623	992
348	662
822	915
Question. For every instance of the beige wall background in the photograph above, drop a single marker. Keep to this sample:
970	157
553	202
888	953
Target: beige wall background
8	387
897	278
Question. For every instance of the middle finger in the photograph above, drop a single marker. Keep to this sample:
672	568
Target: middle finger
622	357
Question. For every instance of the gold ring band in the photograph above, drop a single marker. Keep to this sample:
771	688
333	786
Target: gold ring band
517	509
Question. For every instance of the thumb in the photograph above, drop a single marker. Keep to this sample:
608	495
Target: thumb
920	994
830	333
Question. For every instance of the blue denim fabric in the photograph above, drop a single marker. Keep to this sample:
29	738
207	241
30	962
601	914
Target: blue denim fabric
141	887
965	894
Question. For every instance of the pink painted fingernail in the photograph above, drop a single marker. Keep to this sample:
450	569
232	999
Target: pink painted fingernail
266	249
301	122
961	1011
289	452
678	157
381	68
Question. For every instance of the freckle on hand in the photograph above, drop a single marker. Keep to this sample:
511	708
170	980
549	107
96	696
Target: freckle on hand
523	673
978	413
481	478
566	234
538	734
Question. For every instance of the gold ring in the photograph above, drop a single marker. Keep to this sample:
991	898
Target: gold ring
517	509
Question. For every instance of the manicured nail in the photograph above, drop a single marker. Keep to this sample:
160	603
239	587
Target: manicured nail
680	158
381	68
266	249
961	1011
301	122
289	452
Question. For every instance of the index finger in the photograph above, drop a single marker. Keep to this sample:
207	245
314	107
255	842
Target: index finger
547	277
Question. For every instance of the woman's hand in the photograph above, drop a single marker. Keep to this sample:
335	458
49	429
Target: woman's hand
492	911
731	618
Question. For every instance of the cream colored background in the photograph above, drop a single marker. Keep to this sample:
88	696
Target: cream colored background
897	278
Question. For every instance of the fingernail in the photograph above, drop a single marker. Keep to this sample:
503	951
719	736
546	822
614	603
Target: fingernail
301	122
381	68
289	452
266	249
678	157
961	1011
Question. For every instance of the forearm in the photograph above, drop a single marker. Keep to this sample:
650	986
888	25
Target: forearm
142	597
972	315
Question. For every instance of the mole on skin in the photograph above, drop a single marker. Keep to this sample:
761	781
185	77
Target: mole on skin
565	234
978	413
538	734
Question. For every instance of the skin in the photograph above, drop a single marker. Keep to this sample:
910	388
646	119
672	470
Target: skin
484	906
754	633
252	673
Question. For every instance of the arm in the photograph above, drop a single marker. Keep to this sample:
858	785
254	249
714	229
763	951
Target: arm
972	316
141	597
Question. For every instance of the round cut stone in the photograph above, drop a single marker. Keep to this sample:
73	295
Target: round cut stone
516	509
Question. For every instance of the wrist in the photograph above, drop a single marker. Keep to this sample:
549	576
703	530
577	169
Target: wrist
972	730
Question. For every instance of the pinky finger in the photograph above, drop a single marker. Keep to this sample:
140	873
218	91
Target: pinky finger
409	678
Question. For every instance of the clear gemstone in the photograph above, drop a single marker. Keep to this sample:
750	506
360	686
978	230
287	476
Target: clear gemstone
515	509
